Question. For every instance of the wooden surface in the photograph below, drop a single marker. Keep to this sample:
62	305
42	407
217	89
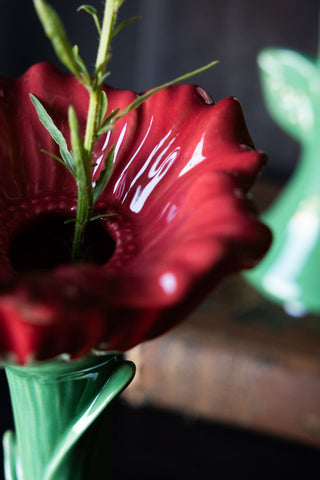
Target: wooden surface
239	360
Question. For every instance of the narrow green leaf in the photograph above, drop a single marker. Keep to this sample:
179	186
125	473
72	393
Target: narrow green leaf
105	129
118	3
55	134
59	159
101	74
108	123
105	215
78	150
99	80
104	175
82	66
94	14
55	31
80	155
124	24
92	219
109	120
142	98
112	115
103	106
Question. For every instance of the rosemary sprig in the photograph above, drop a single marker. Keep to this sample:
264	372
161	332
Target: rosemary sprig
79	160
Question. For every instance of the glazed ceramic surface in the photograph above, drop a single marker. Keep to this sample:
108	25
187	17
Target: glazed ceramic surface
182	171
289	274
54	407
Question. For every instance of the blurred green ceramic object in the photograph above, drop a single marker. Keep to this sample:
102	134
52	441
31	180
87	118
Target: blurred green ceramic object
289	274
54	405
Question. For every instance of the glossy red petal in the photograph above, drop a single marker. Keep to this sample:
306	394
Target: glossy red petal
182	170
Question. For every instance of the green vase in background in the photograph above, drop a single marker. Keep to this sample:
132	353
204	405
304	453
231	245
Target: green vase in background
289	274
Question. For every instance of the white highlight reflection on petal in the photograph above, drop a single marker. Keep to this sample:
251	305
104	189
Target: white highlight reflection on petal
196	158
168	282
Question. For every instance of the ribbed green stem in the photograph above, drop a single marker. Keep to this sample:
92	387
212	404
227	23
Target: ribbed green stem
109	16
53	406
85	189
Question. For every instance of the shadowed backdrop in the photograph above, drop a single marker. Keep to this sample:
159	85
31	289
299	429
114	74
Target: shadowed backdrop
173	37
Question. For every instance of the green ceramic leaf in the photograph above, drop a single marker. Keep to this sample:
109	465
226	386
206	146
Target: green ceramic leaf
119	378
291	87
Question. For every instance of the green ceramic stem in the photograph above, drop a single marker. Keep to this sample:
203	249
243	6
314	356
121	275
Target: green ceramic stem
54	405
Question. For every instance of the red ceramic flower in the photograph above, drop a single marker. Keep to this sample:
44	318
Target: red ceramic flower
181	173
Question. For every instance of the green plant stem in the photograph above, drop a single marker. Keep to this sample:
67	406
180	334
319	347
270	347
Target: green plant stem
110	11
85	188
79	160
91	123
84	213
109	16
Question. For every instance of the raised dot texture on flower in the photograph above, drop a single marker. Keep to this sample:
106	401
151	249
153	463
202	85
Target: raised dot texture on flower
181	217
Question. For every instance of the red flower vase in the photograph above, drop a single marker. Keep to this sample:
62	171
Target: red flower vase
182	220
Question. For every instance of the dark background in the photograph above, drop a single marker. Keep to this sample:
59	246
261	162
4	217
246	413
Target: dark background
173	37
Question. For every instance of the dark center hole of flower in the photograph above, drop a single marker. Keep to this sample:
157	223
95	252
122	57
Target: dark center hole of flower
47	244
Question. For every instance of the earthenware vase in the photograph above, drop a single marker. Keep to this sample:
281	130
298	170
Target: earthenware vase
289	274
55	406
